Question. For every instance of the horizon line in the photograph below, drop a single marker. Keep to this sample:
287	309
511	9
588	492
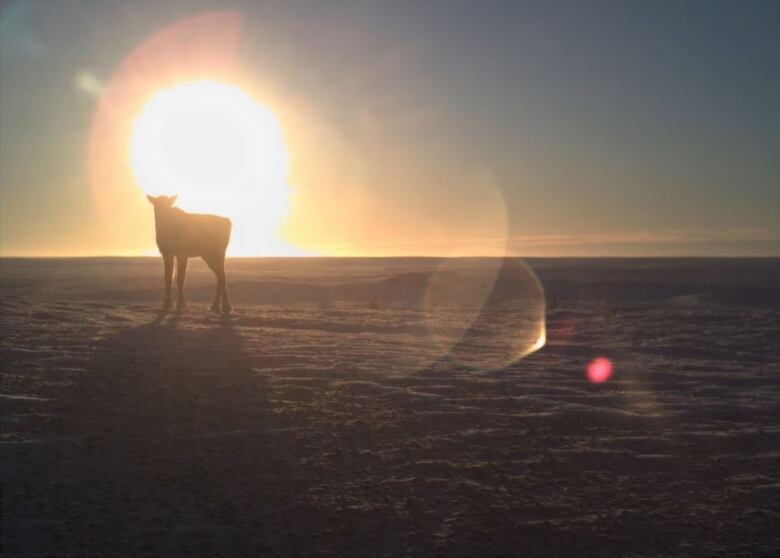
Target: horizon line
410	256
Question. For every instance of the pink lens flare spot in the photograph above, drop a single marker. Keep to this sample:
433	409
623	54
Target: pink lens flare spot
599	370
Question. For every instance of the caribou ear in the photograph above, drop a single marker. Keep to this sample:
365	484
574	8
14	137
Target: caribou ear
151	199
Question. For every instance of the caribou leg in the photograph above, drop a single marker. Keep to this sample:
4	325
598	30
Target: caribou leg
181	273
213	266
168	276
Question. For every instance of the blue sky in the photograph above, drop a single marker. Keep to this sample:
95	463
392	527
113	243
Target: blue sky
607	128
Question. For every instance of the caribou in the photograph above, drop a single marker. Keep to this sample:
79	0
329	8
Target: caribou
183	235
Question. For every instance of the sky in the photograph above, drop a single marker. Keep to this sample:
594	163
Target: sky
412	128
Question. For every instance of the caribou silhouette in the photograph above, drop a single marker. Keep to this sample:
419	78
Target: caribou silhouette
189	235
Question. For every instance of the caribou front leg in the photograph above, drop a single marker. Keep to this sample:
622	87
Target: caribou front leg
181	273
168	276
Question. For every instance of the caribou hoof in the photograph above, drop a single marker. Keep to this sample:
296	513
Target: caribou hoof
215	307
227	308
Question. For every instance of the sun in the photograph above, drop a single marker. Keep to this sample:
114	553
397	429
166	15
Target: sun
221	152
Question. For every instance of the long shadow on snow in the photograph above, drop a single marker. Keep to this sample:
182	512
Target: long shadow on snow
176	453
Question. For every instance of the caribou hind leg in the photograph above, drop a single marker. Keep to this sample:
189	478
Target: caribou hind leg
216	264
227	308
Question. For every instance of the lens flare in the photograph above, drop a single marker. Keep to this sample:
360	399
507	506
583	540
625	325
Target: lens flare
198	47
599	370
221	152
486	313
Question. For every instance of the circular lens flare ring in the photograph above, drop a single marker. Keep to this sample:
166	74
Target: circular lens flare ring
485	313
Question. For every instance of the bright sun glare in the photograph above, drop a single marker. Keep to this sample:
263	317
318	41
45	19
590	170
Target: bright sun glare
221	152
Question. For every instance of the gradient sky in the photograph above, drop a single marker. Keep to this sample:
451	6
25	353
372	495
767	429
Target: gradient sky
556	128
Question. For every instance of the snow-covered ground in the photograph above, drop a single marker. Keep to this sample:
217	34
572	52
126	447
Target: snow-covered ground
372	407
